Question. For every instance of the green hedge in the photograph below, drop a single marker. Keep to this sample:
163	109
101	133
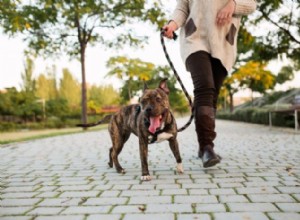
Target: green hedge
258	116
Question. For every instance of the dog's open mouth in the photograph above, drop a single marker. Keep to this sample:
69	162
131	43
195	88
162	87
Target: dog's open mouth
155	123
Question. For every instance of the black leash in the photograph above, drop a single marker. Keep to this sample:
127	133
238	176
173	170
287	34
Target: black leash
178	79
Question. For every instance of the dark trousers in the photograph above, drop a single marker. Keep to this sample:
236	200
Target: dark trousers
208	75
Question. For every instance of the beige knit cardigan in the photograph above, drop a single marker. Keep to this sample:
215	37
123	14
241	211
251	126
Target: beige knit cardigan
199	31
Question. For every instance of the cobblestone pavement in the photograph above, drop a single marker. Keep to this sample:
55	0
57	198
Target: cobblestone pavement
67	177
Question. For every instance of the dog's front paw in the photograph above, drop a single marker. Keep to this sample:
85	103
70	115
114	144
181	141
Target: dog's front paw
146	178
179	168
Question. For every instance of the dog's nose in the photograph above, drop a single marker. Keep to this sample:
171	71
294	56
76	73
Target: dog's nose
148	109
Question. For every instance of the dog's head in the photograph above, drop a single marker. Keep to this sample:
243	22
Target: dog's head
155	105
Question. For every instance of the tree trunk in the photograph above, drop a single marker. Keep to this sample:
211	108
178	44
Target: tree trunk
231	102
83	87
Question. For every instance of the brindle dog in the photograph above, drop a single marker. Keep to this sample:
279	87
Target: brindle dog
151	120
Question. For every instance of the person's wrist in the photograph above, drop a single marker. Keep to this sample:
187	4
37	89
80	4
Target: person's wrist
173	24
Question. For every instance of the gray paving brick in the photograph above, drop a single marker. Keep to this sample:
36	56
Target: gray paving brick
57	217
14	210
221	192
140	193
20	195
60	202
196	199
271	198
240	216
104	217
148	216
150	199
105	201
285	216
169	208
233	199
193	217
289	190
200	208
289	207
174	192
86	210
45	211
257	190
80	194
64	180
252	207
16	217
18	202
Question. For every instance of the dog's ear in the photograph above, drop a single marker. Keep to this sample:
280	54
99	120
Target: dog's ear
145	86
163	85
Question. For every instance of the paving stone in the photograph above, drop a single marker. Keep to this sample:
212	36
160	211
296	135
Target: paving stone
252	207
14	210
60	202
240	216
150	200
67	177
289	207
148	216
271	198
18	202
16	217
64	217
86	210
193	217
233	199
104	217
213	208
105	201
285	216
45	211
196	199
169	208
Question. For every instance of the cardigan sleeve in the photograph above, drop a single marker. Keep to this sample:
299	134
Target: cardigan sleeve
244	7
181	12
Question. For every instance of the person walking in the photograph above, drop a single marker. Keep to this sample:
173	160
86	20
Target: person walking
208	46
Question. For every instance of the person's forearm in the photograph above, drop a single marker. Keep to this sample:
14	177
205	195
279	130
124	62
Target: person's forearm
180	13
244	7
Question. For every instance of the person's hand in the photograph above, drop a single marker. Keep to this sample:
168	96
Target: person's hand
224	16
169	29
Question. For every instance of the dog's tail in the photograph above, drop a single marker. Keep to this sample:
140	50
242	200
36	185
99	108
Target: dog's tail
104	120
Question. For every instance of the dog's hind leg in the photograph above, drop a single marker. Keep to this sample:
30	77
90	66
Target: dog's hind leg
175	150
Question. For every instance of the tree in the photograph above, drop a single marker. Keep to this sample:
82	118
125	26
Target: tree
70	26
282	33
285	74
70	89
103	95
132	71
46	87
254	76
28	81
135	72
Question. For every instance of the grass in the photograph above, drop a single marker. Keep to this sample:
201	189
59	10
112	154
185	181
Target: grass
25	135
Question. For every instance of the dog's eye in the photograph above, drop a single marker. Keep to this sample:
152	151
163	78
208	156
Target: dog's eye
158	99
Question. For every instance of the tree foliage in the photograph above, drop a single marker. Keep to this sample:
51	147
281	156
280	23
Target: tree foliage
280	20
135	73
52	26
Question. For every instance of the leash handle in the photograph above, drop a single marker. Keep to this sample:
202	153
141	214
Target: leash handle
178	79
175	36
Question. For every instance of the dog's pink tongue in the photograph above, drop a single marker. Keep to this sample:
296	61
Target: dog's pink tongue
154	124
